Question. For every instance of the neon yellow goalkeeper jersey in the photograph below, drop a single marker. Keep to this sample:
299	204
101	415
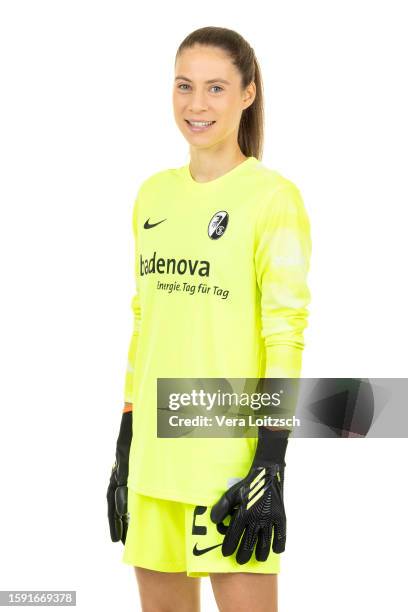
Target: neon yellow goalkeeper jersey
245	237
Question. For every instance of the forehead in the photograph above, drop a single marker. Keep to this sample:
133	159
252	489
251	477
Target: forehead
203	62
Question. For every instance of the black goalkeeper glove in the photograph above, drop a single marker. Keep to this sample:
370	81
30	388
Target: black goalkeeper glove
256	502
117	493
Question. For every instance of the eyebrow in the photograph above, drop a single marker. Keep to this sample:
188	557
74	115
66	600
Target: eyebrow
209	81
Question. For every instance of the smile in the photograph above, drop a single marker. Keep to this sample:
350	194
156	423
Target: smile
199	126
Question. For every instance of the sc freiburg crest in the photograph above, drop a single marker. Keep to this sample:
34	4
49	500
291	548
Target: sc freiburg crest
218	225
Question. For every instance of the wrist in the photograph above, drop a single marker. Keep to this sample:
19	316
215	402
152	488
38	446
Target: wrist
271	447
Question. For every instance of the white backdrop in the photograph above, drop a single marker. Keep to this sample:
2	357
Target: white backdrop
86	115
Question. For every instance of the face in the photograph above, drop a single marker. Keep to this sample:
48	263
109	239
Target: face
207	87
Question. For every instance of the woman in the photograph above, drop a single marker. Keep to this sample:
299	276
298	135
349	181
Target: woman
222	255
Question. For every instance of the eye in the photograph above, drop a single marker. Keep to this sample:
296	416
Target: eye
182	85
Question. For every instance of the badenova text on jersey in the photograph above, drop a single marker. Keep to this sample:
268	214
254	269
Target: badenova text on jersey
173	266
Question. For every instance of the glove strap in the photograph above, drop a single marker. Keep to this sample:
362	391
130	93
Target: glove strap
123	447
271	447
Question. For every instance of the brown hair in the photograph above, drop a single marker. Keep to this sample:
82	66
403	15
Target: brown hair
251	127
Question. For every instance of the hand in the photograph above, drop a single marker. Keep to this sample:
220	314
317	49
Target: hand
256	508
118	516
117	493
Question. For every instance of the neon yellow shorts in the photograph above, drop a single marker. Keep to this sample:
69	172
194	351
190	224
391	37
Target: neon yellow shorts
171	536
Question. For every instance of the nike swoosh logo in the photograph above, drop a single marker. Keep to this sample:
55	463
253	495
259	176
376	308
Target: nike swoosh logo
148	225
202	551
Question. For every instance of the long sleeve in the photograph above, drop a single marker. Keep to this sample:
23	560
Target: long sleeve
137	317
282	257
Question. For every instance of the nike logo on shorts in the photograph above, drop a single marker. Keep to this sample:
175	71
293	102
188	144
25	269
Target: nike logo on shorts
202	551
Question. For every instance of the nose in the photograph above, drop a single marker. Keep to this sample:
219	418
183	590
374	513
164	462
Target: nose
198	101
